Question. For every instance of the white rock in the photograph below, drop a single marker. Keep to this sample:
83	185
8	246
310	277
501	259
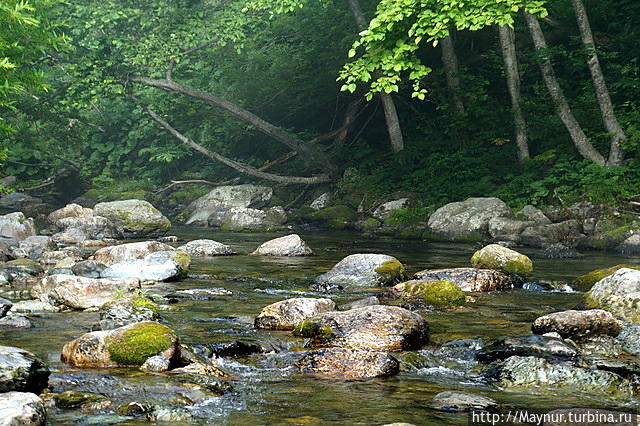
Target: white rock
289	245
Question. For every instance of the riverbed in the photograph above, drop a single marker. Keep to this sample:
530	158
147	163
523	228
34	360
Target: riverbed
268	389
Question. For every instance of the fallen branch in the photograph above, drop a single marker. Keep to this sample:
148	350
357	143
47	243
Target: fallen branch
48	182
201	181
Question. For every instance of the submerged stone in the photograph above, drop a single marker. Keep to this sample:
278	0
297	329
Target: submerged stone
348	364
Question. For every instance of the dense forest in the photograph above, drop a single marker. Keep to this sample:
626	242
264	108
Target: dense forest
445	100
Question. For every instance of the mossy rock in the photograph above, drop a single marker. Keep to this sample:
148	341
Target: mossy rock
72	399
335	217
472	237
407	216
586	281
139	342
311	329
441	293
183	259
391	271
370	224
503	259
140	303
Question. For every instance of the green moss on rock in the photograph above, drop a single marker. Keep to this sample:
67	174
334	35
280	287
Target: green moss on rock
391	271
143	340
440	293
370	224
336	217
501	258
311	329
72	399
586	281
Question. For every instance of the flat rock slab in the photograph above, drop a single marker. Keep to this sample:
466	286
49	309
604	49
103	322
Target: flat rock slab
527	345
287	314
457	401
578	324
348	364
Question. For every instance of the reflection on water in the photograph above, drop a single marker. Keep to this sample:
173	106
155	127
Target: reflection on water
267	390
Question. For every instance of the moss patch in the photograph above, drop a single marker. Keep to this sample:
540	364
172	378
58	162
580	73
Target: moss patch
370	223
336	217
441	293
71	399
586	281
143	340
144	303
489	259
391	271
473	237
312	330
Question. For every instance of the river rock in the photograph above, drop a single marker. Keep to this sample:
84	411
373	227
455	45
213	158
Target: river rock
568	233
130	251
468	217
22	409
435	293
33	306
22	371
578	324
209	293
92	227
80	292
383	211
128	346
289	245
22	267
156	266
71	236
225	197
323	201
537	372
17	226
127	310
70	210
88	268
206	248
245	218
630	246
135	218
629	337
348	364
15	321
533	214
504	259
35	246
156	364
361	270
380	328
618	293
527	345
21	201
287	314
469	279
463	401
507	229
360	303
5	305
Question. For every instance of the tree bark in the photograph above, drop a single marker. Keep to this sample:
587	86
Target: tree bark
309	154
616	153
452	75
240	167
582	144
390	112
508	46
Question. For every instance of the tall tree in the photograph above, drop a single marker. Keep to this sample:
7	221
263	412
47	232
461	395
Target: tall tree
390	111
616	153
452	75
579	138
508	47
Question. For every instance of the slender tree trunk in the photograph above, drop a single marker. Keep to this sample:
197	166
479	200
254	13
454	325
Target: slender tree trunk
616	153
508	45
452	74
390	112
349	118
582	144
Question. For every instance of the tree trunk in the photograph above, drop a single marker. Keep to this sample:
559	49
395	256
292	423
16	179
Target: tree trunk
508	46
390	112
308	153
452	74
616	153
578	137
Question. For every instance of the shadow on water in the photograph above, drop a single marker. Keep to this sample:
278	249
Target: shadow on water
267	390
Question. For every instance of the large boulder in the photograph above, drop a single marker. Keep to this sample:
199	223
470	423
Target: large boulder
384	210
348	364
130	251
533	214
16	226
287	314
135	218
568	233
128	346
469	279
467	218
537	372
91	227
245	218
578	324
378	327
618	293
630	246
507	229
156	266
206	248
70	210
289	245
34	247
504	259
76	292
22	409
225	197
22	371
361	270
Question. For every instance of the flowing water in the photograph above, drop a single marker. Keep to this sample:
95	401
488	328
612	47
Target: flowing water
267	389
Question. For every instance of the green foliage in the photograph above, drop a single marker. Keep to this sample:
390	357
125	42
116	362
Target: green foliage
408	216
